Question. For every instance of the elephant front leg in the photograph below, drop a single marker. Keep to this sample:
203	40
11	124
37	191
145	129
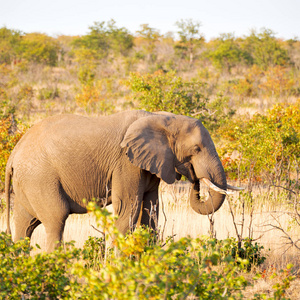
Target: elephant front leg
128	211
150	210
128	190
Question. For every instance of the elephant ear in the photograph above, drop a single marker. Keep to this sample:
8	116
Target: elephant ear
147	141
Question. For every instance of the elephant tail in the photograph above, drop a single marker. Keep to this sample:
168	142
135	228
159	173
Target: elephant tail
8	176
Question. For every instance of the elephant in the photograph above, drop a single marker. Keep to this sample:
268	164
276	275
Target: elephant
67	158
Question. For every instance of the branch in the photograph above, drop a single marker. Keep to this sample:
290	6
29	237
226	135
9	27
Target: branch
98	230
279	186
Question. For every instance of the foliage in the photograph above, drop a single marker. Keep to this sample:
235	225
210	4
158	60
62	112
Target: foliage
10	133
203	267
48	93
92	97
149	37
167	92
93	252
103	38
143	270
39	48
268	145
227	53
277	83
43	276
217	112
248	250
33	47
265	50
190	38
9	45
285	278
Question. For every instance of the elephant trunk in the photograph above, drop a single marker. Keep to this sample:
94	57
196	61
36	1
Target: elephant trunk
216	194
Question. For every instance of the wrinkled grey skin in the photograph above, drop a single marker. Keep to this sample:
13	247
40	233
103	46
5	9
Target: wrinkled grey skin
67	158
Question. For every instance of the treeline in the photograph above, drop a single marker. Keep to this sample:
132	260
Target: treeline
106	41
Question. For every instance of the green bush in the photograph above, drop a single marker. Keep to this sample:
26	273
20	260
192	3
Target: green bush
268	145
48	93
265	50
103	39
204	268
167	92
93	252
228	53
142	270
39	48
9	43
42	276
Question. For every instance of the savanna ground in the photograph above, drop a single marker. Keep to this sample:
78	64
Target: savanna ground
244	89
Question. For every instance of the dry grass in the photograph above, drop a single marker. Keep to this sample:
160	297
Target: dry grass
179	220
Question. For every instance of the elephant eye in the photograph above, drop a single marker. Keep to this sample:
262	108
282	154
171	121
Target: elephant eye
196	149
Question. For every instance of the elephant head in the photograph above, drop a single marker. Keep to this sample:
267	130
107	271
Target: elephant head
167	145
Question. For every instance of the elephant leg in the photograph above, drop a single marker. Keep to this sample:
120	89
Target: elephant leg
54	226
128	213
52	209
150	209
25	223
54	234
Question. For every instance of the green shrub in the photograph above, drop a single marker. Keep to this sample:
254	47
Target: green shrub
9	43
103	39
39	48
268	146
93	252
167	92
43	276
48	93
228	53
189	267
203	268
184	268
265	50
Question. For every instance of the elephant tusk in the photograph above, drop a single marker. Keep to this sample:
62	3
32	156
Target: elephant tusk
214	187
234	188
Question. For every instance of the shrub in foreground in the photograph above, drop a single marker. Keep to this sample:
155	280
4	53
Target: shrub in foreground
200	268
43	276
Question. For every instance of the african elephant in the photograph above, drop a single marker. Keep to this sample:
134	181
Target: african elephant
67	158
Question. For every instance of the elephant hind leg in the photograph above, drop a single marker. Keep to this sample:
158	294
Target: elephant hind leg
54	222
25	223
54	234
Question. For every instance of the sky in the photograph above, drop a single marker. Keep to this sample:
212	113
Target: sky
73	17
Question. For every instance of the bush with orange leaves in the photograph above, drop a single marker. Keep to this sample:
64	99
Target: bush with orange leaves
10	133
278	82
93	97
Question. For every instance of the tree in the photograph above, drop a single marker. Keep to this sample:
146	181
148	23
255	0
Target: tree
167	92
9	44
105	38
120	40
39	48
190	38
265	49
227	53
150	36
